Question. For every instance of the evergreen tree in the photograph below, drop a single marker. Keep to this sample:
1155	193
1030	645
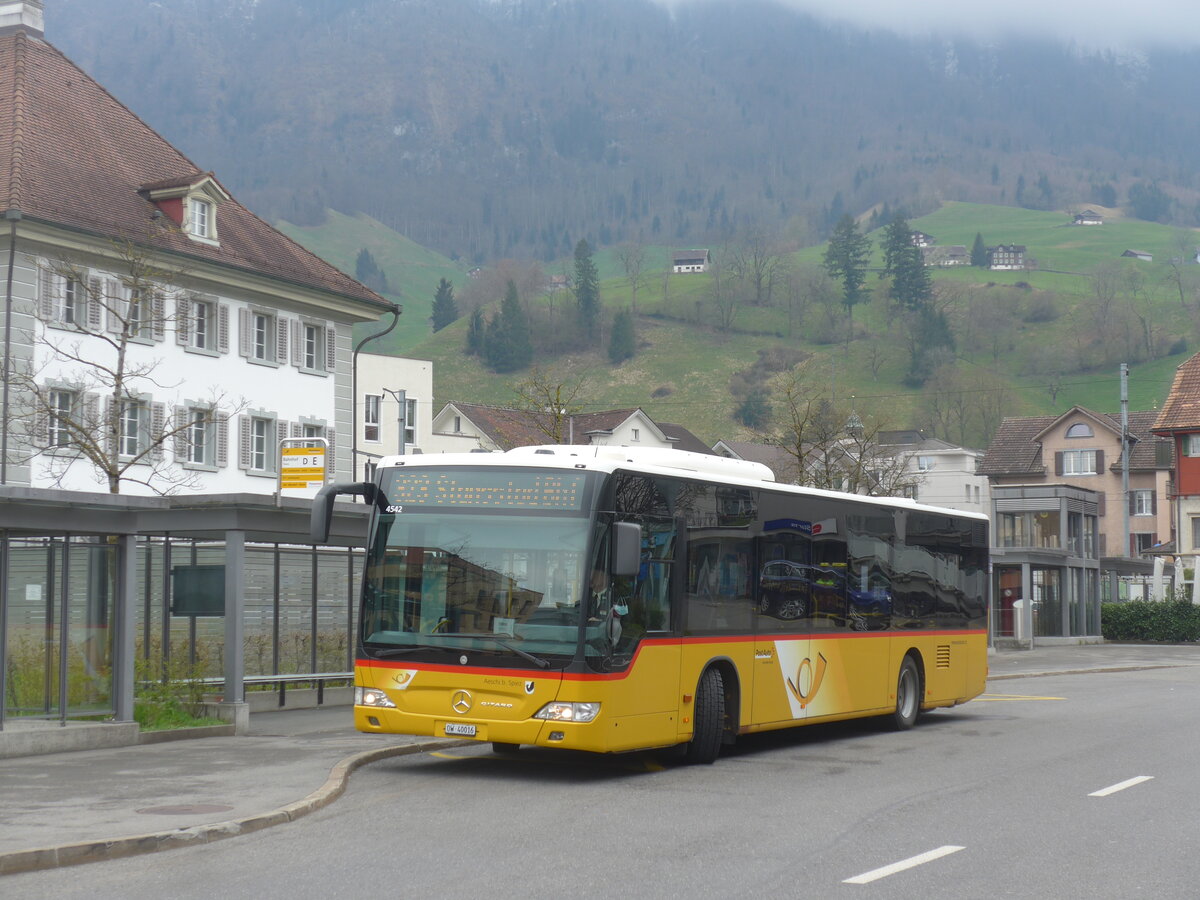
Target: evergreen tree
755	410
979	252
621	343
445	310
895	241
587	288
476	333
508	344
367	271
912	288
846	259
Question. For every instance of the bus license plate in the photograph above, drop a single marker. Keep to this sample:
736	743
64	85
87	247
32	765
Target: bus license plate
460	729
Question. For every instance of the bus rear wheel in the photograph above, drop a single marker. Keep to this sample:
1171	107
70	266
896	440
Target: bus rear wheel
908	695
708	718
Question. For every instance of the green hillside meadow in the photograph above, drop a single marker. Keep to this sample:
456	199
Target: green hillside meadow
682	369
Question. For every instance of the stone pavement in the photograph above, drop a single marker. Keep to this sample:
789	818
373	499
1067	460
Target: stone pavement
68	808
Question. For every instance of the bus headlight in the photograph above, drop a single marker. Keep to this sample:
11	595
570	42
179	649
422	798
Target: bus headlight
568	712
371	697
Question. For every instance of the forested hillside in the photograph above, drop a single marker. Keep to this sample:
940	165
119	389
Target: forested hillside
512	128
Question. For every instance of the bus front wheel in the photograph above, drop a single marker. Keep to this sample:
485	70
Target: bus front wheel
708	717
908	695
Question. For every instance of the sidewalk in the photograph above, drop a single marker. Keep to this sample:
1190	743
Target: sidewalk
69	808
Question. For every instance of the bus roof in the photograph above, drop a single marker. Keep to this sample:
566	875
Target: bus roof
649	460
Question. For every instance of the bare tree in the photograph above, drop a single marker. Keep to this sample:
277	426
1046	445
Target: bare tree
90	386
547	400
632	255
758	263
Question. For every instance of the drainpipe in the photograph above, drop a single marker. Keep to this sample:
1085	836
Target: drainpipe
13	216
395	311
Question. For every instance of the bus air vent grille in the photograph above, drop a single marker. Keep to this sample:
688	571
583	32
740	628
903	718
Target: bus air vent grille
943	656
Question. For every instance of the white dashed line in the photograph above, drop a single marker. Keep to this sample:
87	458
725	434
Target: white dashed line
912	861
1104	792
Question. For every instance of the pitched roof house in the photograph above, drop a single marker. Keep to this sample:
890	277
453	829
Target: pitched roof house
240	335
461	427
1088	217
685	261
1179	422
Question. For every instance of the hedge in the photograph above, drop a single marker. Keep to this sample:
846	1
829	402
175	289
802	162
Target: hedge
1171	621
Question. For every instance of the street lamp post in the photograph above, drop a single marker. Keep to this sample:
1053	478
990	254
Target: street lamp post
401	397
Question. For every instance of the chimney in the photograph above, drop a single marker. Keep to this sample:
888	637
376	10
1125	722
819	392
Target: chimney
21	15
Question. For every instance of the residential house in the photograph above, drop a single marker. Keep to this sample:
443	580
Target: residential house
1088	217
394	409
465	427
921	239
1179	422
1064	471
1142	255
946	257
558	284
1006	256
685	261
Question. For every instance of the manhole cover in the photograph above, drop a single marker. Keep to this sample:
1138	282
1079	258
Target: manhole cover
189	810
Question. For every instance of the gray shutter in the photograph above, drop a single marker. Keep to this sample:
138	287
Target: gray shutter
83	301
281	340
293	429
297	343
182	436
183	322
1132	502
243	442
222	327
158	309
158	423
1154	503
1100	461
1058	463
245	338
281	431
95	303
108	435
222	433
331	455
45	288
330	347
113	306
41	422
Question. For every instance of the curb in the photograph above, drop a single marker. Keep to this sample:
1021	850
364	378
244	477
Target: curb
1087	671
95	851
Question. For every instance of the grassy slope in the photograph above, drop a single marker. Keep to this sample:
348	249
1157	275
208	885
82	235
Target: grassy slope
412	270
689	363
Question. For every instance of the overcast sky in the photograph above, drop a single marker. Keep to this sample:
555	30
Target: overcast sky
1091	23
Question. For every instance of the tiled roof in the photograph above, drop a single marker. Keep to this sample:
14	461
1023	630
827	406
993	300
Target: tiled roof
1015	449
72	155
1181	411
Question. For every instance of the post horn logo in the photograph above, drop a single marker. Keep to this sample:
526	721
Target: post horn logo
808	680
461	702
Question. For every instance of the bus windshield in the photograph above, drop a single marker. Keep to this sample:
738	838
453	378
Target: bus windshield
499	581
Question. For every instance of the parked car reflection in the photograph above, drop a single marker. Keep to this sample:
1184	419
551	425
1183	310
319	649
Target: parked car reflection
790	590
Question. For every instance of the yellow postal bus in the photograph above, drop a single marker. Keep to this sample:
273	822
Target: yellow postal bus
610	599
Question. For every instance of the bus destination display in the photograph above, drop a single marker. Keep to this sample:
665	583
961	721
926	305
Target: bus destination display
487	489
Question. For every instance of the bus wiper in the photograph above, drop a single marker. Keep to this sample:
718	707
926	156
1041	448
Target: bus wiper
387	651
536	660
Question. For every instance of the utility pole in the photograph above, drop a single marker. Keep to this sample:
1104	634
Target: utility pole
401	397
1125	454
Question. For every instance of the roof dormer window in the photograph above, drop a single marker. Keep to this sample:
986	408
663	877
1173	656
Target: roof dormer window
191	202
200	218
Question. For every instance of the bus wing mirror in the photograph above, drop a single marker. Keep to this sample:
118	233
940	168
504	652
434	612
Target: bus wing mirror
627	548
321	516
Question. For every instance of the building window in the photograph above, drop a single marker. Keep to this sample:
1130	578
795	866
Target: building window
132	428
369	470
636	434
1141	503
263	347
203	327
410	422
61	409
262	437
70	303
924	463
1079	462
314	347
1141	543
1195	533
1191	445
372	404
1080	430
458	424
201	218
198	449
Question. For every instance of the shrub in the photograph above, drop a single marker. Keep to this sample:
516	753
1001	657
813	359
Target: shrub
1172	621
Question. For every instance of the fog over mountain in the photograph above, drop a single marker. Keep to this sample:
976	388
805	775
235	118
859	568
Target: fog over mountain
493	128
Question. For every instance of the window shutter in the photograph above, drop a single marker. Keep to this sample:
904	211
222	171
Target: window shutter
158	423
41	422
182	436
281	340
245	338
243	442
330	347
1154	503
297	430
222	430
83	300
281	431
1101	504
95	303
158	306
45	288
1132	502
113	306
183	321
222	327
109	437
1099	460
331	454
297	343
1058	462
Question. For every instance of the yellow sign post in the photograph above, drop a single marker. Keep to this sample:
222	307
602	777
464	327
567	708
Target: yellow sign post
301	468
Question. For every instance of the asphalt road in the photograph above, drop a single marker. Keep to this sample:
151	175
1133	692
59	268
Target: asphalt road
1057	786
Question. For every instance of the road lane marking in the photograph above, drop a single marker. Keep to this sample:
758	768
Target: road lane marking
911	862
1104	792
1007	697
